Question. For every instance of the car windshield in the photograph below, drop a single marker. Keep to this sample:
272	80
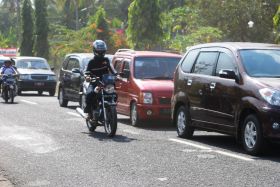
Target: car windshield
155	67
261	62
85	62
32	64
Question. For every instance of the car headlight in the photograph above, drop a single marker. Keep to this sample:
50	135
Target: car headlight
147	98
52	78
109	89
272	96
24	77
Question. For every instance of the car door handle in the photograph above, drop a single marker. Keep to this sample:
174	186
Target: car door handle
189	83
212	85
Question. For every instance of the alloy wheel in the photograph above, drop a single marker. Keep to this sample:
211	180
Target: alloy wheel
250	134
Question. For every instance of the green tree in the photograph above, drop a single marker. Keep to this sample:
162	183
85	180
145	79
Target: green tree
26	46
102	27
144	24
232	18
41	47
276	23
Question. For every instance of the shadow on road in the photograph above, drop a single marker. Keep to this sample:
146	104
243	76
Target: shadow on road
272	153
35	95
9	103
102	136
151	125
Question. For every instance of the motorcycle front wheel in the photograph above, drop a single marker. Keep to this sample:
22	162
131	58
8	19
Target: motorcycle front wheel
12	96
111	122
6	95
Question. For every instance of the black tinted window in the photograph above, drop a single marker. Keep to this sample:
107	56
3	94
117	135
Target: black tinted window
225	61
205	63
189	60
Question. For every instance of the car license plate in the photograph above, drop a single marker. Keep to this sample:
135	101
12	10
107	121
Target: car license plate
39	84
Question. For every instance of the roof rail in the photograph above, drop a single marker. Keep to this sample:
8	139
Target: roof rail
125	50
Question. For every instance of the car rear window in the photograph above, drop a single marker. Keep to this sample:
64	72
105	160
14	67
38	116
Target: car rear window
261	62
32	64
155	67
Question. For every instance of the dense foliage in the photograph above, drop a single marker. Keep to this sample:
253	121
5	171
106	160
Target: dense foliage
41	47
26	47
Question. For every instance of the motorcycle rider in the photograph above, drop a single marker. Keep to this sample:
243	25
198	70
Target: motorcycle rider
6	69
97	66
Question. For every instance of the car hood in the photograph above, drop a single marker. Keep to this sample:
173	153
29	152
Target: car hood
155	85
269	82
35	71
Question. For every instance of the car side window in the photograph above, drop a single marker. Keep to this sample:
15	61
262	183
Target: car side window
73	63
205	63
188	62
65	63
225	61
126	65
118	66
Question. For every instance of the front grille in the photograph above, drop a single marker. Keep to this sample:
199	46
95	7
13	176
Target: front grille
165	101
39	77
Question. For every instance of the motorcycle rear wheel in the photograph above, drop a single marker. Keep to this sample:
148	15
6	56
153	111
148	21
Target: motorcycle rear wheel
90	126
111	123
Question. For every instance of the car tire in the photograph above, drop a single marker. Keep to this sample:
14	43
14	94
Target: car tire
19	92
62	101
183	121
252	137
134	118
52	92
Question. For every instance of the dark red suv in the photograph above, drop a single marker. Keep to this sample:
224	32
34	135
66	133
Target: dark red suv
232	88
144	93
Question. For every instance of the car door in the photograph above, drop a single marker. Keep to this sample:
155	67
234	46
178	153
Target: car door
118	65
125	89
222	94
66	77
197	84
75	77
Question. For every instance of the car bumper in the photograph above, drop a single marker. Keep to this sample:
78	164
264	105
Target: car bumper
270	117
32	85
153	112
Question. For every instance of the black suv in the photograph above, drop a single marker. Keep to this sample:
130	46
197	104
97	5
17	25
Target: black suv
71	77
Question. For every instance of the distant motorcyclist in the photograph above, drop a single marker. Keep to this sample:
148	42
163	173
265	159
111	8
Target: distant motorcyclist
97	66
6	69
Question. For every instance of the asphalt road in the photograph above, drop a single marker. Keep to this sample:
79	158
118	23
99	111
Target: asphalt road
42	144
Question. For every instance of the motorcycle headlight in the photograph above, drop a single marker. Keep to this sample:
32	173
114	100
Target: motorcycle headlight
52	78
272	96
147	98
24	77
109	89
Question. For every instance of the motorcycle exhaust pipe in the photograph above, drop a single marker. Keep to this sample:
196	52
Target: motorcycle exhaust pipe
81	112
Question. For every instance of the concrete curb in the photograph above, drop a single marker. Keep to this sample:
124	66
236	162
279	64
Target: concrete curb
5	182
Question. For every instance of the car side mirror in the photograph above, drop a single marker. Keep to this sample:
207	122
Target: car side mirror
228	74
52	68
76	70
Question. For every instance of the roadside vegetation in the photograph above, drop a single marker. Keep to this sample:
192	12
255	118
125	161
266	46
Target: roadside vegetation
54	28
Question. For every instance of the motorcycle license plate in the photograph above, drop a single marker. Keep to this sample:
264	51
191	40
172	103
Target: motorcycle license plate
39	84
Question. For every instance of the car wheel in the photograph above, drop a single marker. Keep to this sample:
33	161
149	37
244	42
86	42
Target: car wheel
19	92
40	92
252	138
52	92
183	121
134	119
62	102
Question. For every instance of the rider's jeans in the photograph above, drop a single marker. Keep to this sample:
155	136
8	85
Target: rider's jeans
91	99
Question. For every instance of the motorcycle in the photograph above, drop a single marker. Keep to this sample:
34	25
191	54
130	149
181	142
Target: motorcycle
9	88
106	113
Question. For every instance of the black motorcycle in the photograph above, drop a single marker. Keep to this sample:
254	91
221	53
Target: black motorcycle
106	113
9	88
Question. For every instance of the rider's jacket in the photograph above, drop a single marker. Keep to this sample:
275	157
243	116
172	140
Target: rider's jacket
99	66
8	70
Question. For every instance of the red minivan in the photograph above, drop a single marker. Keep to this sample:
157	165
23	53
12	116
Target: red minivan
145	91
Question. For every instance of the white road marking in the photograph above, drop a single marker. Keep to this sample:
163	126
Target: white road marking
130	131
73	114
234	155
29	102
190	144
27	139
163	179
204	148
